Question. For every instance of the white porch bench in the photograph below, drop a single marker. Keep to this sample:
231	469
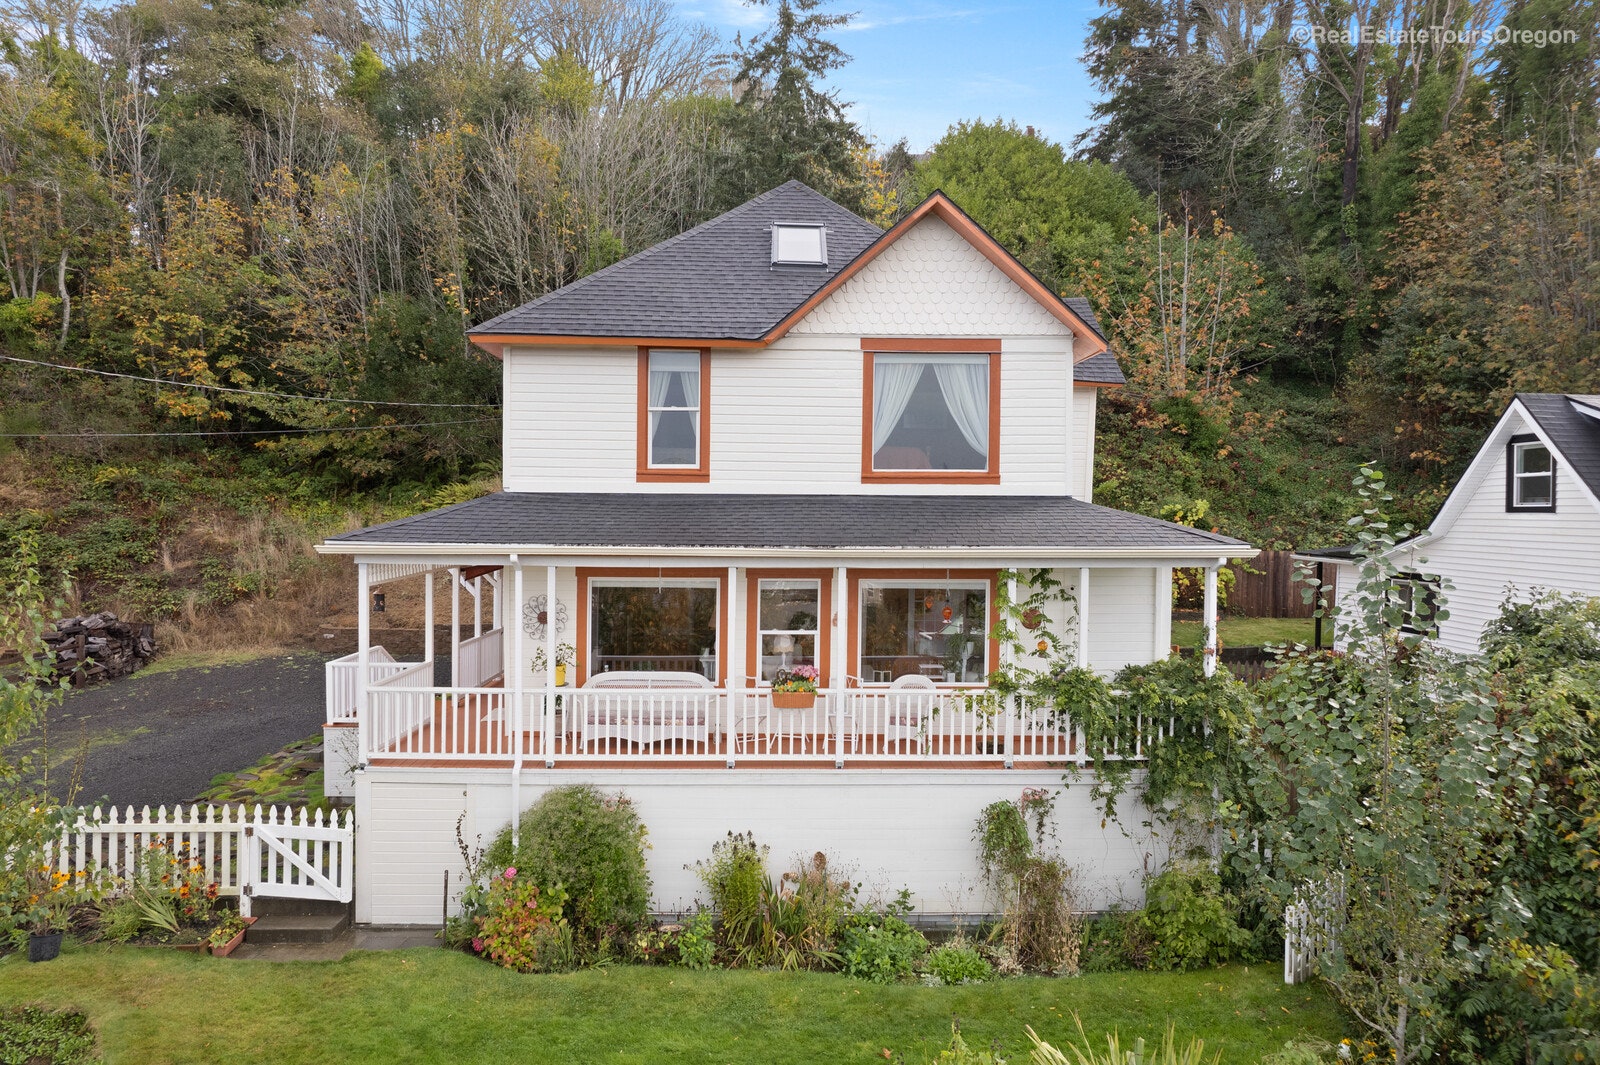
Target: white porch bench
645	707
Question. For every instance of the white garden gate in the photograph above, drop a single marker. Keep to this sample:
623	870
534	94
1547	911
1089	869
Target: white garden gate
278	852
1311	925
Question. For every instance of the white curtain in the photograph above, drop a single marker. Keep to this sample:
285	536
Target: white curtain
892	385
664	366
966	392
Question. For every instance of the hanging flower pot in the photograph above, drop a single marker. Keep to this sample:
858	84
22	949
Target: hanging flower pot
1032	618
948	613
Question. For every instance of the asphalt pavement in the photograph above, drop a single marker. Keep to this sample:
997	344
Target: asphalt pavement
158	739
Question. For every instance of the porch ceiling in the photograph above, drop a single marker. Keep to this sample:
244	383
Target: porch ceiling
699	521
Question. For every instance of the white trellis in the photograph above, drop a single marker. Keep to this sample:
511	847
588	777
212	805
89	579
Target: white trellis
1311	925
276	851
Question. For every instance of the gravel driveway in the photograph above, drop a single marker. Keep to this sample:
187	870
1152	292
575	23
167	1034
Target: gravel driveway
160	738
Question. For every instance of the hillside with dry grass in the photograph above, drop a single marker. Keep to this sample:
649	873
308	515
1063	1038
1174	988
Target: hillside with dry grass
214	548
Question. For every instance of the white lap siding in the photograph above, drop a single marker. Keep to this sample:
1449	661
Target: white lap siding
1488	552
884	830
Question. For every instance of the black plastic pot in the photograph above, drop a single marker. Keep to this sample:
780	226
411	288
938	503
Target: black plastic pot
44	947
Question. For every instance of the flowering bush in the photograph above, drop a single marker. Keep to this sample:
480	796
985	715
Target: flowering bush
523	928
798	679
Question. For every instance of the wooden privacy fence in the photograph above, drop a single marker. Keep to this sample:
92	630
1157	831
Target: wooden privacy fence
1271	591
1311	924
280	851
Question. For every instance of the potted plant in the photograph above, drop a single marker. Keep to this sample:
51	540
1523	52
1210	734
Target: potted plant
795	689
228	934
50	897
566	655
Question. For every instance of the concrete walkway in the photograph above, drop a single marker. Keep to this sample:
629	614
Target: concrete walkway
348	940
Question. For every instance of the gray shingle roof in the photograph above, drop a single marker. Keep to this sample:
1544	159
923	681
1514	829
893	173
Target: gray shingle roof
1575	435
1101	369
693	520
714	282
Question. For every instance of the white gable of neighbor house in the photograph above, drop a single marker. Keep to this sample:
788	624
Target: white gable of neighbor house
931	282
1483	552
786	418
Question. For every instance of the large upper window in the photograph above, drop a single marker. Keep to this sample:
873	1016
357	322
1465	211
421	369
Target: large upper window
653	624
936	630
788	629
1530	475
673	389
932	416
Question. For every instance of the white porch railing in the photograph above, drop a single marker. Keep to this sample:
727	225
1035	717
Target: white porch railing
479	658
309	855
410	719
342	689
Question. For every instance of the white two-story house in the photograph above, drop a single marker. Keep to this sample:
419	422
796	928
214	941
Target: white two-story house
783	438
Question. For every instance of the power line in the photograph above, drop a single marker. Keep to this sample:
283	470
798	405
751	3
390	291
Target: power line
92	434
246	391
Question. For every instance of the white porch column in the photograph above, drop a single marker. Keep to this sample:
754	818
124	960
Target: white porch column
839	675
1008	657
1210	619
518	668
547	719
1161	646
455	626
427	619
477	606
734	650
1083	617
363	655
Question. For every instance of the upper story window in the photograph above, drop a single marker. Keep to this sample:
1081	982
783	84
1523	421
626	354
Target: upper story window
1530	475
1417	598
674	402
931	416
800	245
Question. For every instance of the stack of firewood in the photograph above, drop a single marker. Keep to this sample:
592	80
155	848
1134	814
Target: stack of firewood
98	647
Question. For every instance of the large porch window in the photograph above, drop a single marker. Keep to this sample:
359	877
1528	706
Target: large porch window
653	624
939	631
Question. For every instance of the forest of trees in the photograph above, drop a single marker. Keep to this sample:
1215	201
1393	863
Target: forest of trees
1301	238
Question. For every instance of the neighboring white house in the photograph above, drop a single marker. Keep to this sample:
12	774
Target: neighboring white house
782	438
1523	518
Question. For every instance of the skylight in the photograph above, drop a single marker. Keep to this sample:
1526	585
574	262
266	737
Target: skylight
802	244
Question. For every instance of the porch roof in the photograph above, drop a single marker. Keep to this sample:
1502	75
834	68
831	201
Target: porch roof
684	520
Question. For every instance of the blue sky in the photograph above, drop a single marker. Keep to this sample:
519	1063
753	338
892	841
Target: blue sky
918	66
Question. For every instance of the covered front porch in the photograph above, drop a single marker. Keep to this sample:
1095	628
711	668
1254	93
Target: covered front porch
902	655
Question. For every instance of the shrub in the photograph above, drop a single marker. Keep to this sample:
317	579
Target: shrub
1115	942
589	844
882	947
523	928
958	962
697	945
1039	928
736	876
1190	921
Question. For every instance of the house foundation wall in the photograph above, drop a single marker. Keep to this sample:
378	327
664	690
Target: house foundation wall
889	829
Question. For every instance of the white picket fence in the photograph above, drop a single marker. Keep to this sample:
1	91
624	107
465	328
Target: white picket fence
1311	925
277	851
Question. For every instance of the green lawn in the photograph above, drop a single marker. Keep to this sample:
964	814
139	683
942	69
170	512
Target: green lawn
1249	632
151	1005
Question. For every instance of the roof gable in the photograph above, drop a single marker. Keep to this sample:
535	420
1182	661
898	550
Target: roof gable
716	286
1573	438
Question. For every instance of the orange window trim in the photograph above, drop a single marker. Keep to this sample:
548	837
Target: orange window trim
870	346
586	574
825	618
700	473
933	576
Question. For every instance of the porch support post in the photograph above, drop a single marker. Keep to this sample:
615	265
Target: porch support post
733	650
1209	655
1007	658
839	678
518	669
455	627
363	654
547	720
1162	643
427	619
477	607
1083	617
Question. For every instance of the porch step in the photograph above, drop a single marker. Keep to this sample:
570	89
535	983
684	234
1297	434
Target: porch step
298	928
